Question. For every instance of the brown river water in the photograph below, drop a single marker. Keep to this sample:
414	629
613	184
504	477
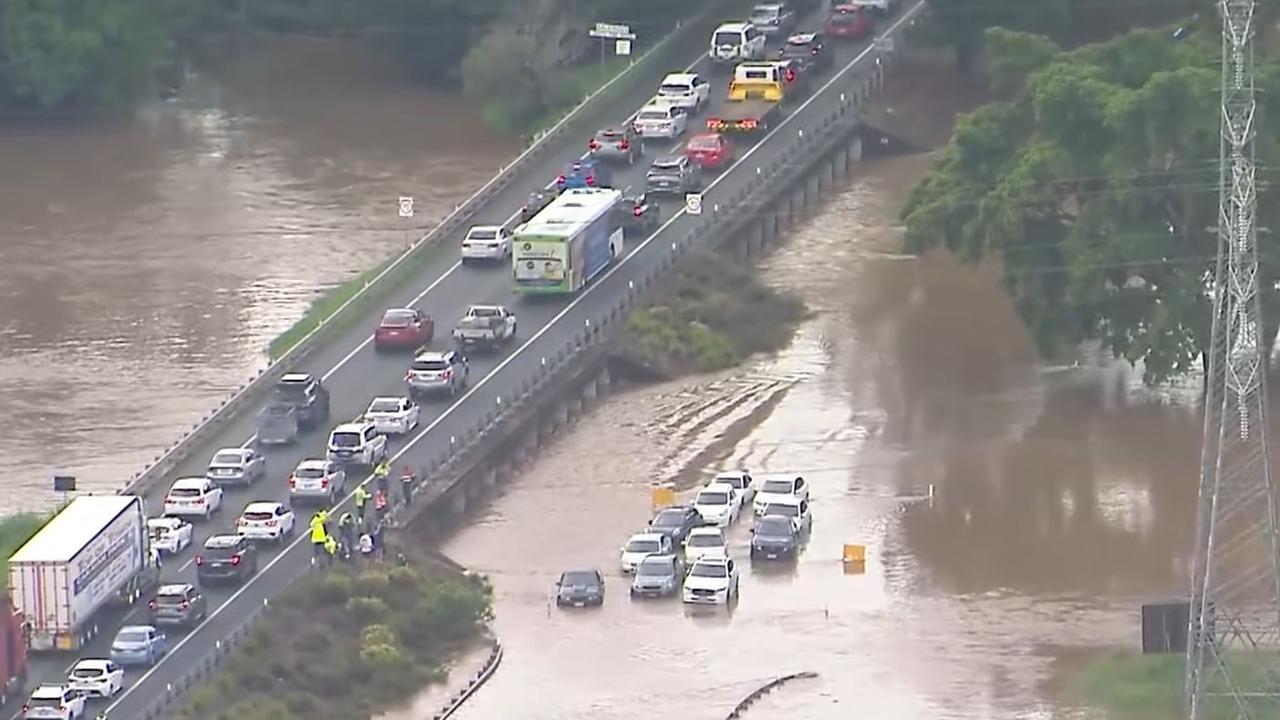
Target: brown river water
146	264
1062	497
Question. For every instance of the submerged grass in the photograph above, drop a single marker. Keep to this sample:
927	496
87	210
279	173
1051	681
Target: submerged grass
1133	686
712	313
346	643
15	530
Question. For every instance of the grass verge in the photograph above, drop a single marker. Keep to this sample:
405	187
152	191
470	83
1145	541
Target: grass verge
346	643
1132	686
712	313
14	531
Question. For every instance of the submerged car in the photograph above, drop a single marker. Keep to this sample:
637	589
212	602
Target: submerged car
711	581
774	537
657	576
642	545
580	588
705	542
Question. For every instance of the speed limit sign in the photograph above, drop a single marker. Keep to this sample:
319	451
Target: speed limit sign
693	203
406	206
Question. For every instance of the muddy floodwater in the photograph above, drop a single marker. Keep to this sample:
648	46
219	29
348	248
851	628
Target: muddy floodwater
1062	498
145	264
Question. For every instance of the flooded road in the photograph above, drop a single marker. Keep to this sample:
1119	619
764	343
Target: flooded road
1062	498
146	264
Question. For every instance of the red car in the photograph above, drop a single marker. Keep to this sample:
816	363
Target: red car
403	328
848	22
710	151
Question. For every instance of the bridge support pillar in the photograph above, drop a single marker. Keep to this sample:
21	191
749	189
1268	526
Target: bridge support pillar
459	503
488	478
603	382
573	408
589	392
755	237
840	162
813	191
827	174
855	150
768	229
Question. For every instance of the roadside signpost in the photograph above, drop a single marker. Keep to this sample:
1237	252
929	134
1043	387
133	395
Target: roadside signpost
693	203
621	36
406	213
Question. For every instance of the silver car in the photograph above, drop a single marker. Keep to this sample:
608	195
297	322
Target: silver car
437	373
657	576
673	174
616	144
236	466
317	481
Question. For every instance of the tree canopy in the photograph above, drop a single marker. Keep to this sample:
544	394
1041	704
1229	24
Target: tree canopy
1096	186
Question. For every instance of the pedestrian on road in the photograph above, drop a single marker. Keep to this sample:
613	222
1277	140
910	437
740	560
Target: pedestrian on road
330	549
367	547
318	537
380	504
379	547
154	552
347	530
362	499
407	480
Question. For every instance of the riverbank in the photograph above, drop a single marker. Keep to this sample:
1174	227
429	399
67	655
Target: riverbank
379	632
16	530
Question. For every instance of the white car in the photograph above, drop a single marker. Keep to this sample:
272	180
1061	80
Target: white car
740	480
266	520
357	443
795	508
54	702
640	546
737	41
193	497
486	242
660	120
705	542
101	678
880	7
393	415
711	581
718	504
689	91
169	534
777	488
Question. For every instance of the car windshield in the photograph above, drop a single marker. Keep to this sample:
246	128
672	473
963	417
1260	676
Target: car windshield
482	234
654	567
483	312
704	143
87	672
706	540
652	115
773	526
258	515
44	703
397	318
345	439
781	487
308	472
385	405
781	510
609	135
171	599
226	458
643	546
278	409
158	531
756	74
291	390
674	89
185	492
669	519
709	571
796	51
764	15
713	498
221	553
728	38
843	17
578	579
429	365
665	167
132	636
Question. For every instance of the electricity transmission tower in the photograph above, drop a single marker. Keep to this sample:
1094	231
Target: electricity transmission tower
1234	629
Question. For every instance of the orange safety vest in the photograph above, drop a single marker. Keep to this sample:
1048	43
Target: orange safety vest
380	500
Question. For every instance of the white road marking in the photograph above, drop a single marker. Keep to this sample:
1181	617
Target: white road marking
507	361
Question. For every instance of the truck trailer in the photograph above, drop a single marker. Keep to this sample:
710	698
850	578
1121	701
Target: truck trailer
91	555
13	655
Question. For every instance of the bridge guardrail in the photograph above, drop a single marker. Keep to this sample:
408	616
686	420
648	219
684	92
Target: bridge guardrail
401	267
832	119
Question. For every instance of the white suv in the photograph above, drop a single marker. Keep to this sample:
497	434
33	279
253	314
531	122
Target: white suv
711	581
193	497
54	702
778	488
737	41
718	504
357	443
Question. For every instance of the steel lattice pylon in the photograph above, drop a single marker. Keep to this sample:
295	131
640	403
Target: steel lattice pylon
1234	631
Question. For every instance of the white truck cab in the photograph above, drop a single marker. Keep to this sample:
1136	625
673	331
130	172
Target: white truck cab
737	41
357	443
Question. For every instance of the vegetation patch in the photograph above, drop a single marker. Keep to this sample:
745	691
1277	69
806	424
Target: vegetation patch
1132	686
15	530
712	313
345	643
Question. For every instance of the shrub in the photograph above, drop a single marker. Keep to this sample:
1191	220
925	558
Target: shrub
367	609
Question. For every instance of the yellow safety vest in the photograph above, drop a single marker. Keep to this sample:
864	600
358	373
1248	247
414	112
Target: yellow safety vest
318	535
362	496
331	545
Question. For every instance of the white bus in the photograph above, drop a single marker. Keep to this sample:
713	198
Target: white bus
569	242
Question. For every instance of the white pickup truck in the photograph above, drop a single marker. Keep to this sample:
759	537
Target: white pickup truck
485	326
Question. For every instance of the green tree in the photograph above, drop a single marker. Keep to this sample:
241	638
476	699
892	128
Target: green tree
1096	186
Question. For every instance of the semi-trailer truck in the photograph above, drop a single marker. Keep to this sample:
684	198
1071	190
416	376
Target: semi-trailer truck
91	555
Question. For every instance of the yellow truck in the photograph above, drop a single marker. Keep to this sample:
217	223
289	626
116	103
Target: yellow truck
755	94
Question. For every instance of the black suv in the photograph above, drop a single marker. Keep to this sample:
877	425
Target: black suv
675	522
537	202
227	557
307	396
642	216
809	49
673	174
182	605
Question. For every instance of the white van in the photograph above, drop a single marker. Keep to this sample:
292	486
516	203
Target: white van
737	41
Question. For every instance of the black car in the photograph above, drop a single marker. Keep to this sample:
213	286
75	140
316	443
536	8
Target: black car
808	49
675	522
537	202
580	588
307	395
642	217
673	174
774	537
227	557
